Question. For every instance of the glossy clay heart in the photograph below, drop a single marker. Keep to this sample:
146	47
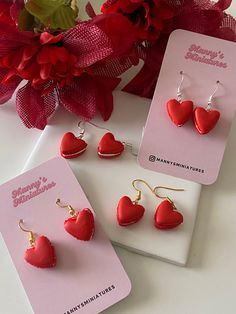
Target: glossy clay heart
128	213
205	120
179	112
109	147
71	146
82	226
166	217
42	255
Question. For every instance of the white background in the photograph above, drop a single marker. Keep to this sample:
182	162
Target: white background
206	286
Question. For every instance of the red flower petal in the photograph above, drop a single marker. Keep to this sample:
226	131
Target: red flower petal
30	71
104	97
29	51
59	53
120	31
45	71
44	55
47	38
165	12
7	89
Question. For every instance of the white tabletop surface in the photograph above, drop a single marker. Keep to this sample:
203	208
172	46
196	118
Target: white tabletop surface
206	286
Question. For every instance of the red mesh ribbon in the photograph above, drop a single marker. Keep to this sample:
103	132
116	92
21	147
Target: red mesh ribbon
201	16
33	108
88	42
88	94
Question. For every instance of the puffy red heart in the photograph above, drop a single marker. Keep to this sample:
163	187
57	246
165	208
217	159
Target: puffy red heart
42	255
81	226
128	213
109	147
71	146
205	120
179	112
166	217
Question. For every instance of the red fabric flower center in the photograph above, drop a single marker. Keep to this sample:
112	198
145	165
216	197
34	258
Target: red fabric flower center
149	17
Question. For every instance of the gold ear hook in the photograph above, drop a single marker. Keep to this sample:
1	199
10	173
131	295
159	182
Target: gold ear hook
155	190
31	235
72	211
138	195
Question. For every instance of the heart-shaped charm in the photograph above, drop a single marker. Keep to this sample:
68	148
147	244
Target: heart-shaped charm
109	147
166	217
128	213
81	226
71	146
179	112
42	255
205	120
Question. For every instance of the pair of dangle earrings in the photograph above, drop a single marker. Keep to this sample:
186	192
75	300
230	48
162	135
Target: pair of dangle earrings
166	215
42	253
204	119
108	147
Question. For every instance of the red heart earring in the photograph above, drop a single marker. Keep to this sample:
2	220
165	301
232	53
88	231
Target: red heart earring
167	215
129	212
81	224
42	253
72	146
179	111
206	119
109	147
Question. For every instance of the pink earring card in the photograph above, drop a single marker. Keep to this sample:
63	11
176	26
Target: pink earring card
181	151
88	277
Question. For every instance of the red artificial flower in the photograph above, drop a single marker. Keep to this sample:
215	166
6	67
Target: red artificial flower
150	17
72	68
205	17
9	11
5	14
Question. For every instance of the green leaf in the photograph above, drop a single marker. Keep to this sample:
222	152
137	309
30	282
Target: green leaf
74	6
63	18
26	21
55	14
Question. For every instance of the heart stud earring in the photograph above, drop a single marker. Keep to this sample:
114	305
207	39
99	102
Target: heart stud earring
206	119
72	146
167	215
42	253
179	111
81	224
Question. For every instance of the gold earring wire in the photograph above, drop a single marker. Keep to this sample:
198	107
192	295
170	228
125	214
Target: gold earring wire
155	190
31	235
139	193
71	210
166	197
